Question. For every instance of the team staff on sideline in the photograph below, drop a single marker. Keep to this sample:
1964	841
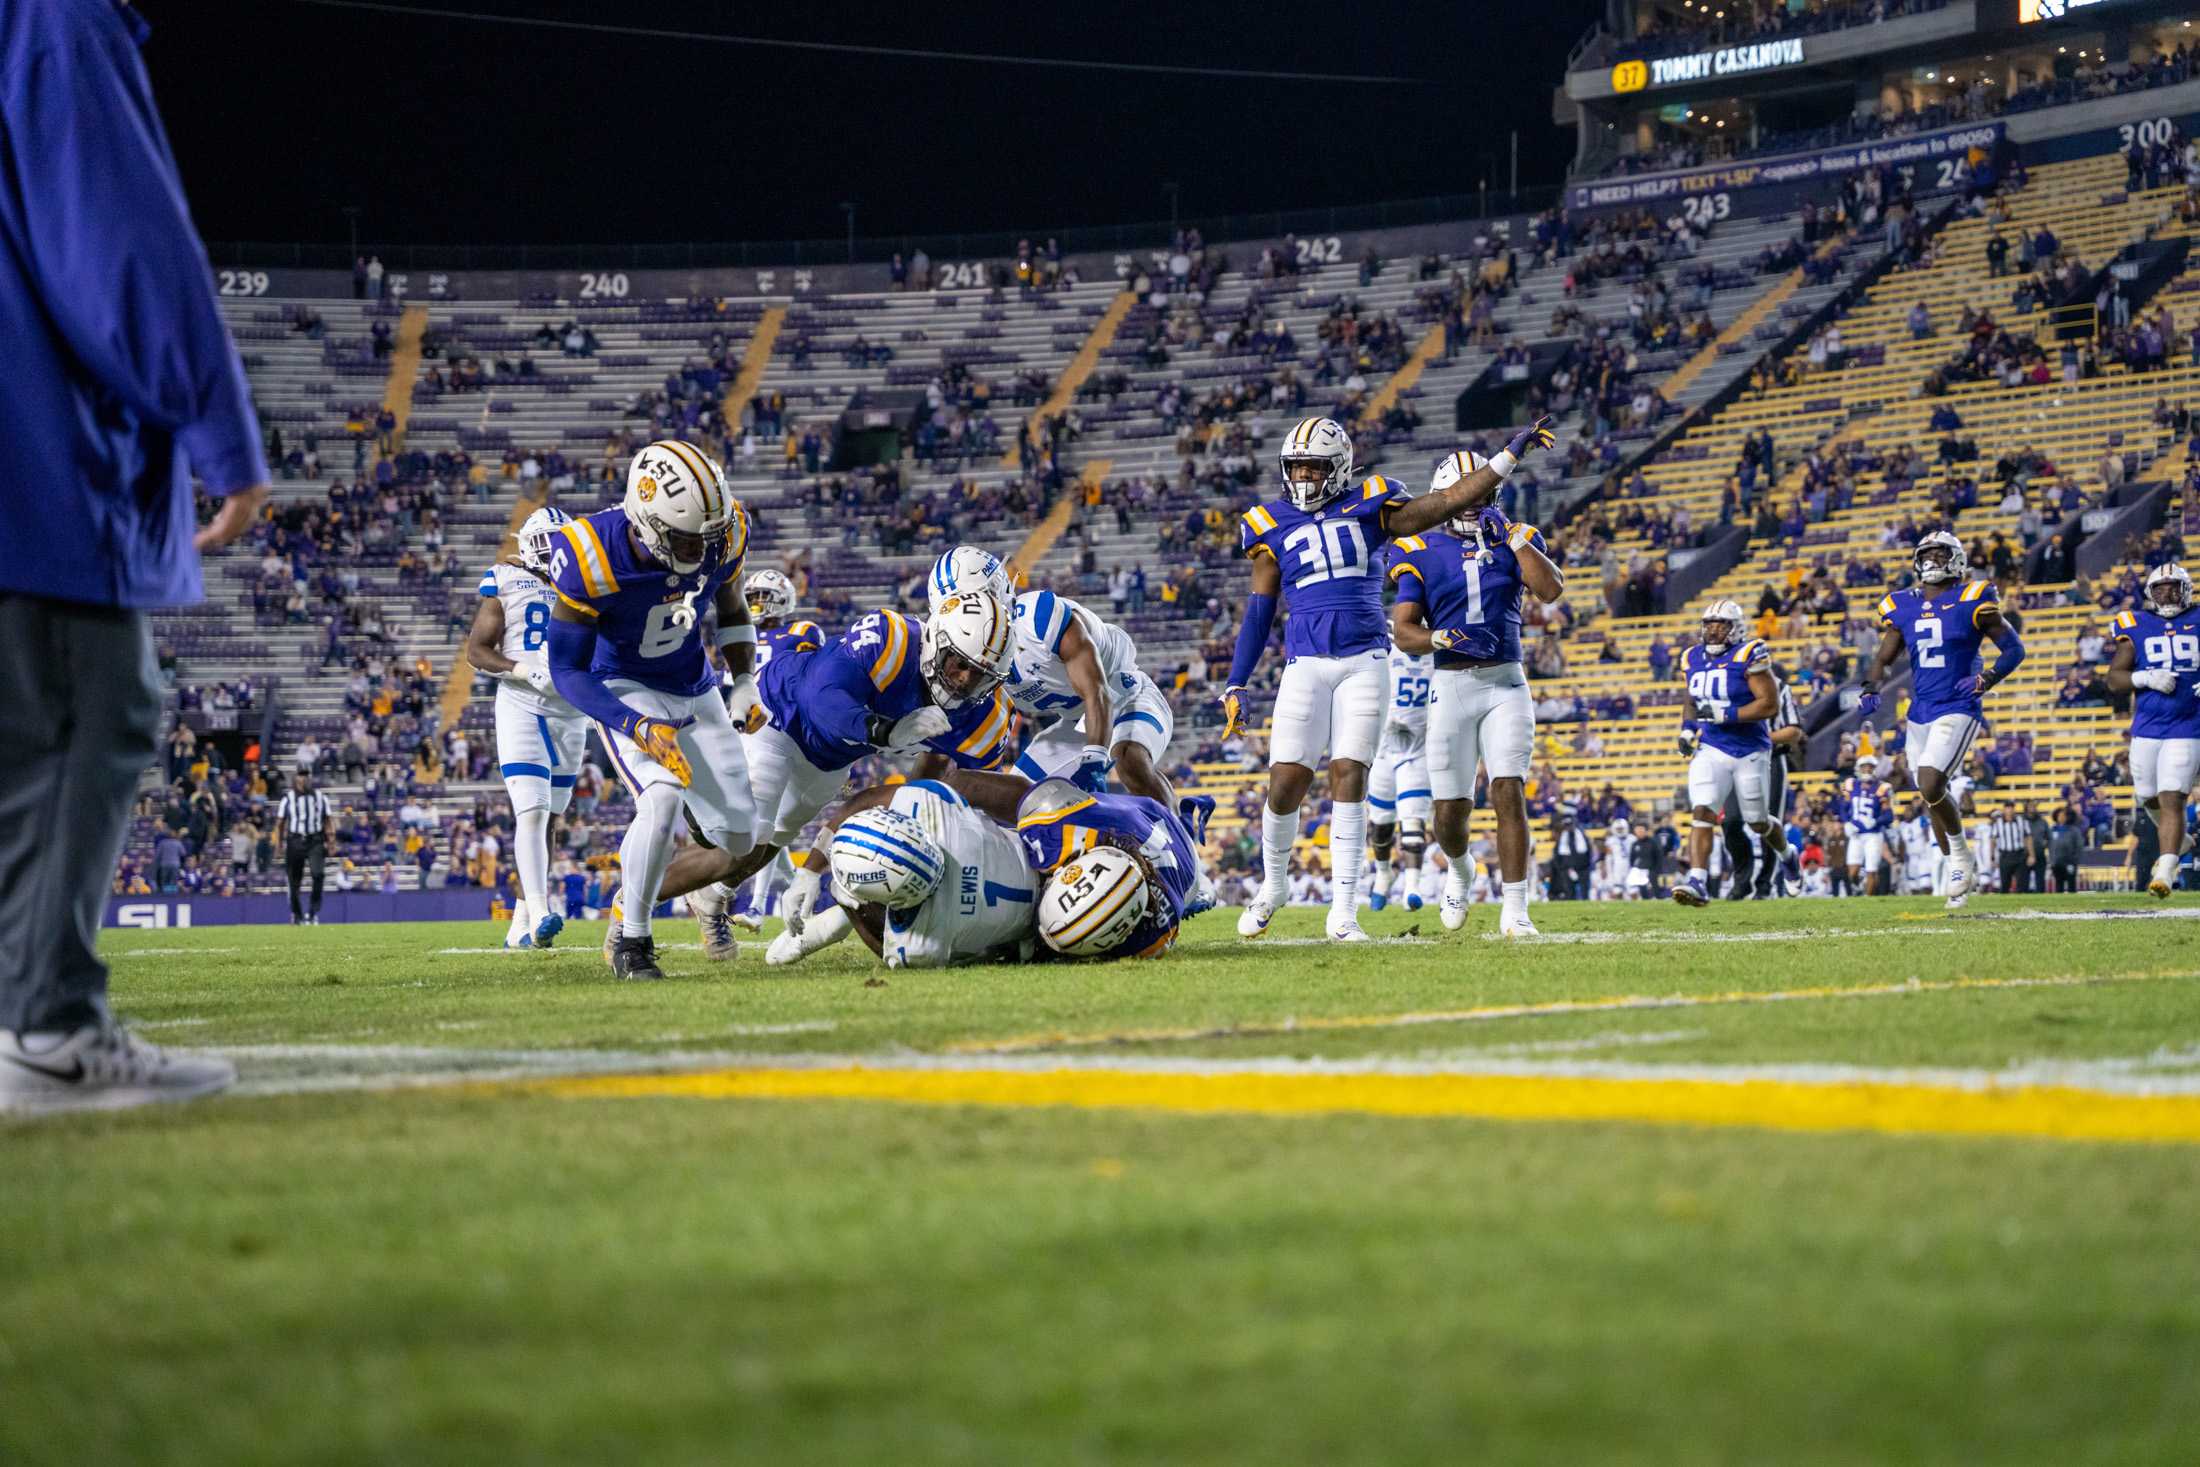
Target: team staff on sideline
121	387
302	823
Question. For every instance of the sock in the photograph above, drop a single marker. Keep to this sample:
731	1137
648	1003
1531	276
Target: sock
1277	835
1431	881
1516	898
521	916
1456	884
1384	875
1347	854
531	854
645	853
1697	874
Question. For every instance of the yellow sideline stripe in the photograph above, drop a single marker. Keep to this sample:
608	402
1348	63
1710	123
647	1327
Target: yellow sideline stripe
2055	1112
1057	1039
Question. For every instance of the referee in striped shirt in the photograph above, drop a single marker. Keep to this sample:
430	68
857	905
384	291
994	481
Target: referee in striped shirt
303	819
2011	835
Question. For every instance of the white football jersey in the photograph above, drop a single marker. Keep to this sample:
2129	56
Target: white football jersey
528	600
1412	679
987	900
1039	683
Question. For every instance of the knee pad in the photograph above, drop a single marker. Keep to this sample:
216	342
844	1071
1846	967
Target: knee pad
1380	835
528	794
1698	824
660	805
1412	837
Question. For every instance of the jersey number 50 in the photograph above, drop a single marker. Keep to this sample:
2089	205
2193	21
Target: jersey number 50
1326	551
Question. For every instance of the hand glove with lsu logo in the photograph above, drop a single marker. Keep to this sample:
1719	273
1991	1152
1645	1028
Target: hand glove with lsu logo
1233	712
1538	434
659	738
743	705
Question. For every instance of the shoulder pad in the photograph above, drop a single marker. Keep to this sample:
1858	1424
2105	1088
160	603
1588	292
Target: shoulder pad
1258	521
1411	543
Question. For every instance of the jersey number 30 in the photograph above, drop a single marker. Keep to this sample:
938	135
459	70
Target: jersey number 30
1327	551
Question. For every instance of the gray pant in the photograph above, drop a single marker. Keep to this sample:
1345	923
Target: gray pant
80	704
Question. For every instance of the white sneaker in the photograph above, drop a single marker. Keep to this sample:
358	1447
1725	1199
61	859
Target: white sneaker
99	1067
1345	927
2165	875
1516	925
1452	907
1254	920
746	921
1959	887
785	948
709	904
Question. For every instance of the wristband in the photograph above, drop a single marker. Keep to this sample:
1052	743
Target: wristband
740	631
1503	463
1521	535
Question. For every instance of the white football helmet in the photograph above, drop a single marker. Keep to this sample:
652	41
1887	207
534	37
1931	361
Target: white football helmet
967	568
884	856
1866	766
1725	615
968	646
1453	468
677	502
1952	567
1094	901
1316	441
2171	577
770	596
535	537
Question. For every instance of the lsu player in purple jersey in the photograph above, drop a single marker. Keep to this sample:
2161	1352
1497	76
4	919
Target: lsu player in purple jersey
1941	623
541	738
1122	871
2158	659
1732	698
1866	803
1315	549
890	683
1459	599
626	648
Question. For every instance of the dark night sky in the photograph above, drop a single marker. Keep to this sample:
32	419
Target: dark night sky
446	131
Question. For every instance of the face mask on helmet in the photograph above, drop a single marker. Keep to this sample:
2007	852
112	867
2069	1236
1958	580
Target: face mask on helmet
1308	481
968	648
2169	591
1717	633
1938	562
683	550
770	596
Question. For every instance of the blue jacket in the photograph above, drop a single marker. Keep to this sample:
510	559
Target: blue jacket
118	380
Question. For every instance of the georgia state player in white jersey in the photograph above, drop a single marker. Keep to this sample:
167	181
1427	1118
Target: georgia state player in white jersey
926	881
541	738
1317	548
967	568
1075	673
1398	795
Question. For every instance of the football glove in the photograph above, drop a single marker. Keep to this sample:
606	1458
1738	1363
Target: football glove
1233	712
1536	435
912	729
1443	639
1092	770
1970	687
1495	528
2159	680
659	738
742	704
1688	741
800	898
1868	704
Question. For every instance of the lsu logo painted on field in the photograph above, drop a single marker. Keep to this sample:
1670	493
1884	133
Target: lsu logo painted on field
1630	76
646	487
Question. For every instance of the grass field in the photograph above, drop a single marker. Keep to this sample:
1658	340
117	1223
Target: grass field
1786	1183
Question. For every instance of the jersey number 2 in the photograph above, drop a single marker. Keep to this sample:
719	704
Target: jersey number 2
1927	651
1327	551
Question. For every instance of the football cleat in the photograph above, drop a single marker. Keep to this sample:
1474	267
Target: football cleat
2165	875
785	948
1959	886
711	907
99	1067
1414	903
1690	893
747	921
611	936
547	930
1510	925
1254	920
1452	906
1345	927
1202	898
634	959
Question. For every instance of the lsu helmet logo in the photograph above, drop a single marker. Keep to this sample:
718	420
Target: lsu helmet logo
646	487
1630	76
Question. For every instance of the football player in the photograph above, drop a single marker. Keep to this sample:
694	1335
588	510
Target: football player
1459	599
1122	870
1075	674
771	599
888	684
967	568
541	738
923	878
1397	788
1727	736
626	649
2158	658
1867	809
1940	624
1315	549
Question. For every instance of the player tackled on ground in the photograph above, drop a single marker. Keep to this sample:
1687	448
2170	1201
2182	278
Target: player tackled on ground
1315	549
626	648
1459	598
1940	623
1727	735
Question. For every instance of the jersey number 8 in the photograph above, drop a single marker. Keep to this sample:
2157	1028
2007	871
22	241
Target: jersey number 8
534	626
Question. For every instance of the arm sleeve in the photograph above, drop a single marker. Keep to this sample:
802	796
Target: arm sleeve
836	700
2009	650
108	236
572	648
1260	617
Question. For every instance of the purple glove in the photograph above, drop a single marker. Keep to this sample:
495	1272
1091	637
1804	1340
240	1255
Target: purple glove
1868	704
1536	435
1493	525
1969	687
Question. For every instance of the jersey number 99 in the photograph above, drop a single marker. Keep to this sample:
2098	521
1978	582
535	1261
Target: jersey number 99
2177	653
